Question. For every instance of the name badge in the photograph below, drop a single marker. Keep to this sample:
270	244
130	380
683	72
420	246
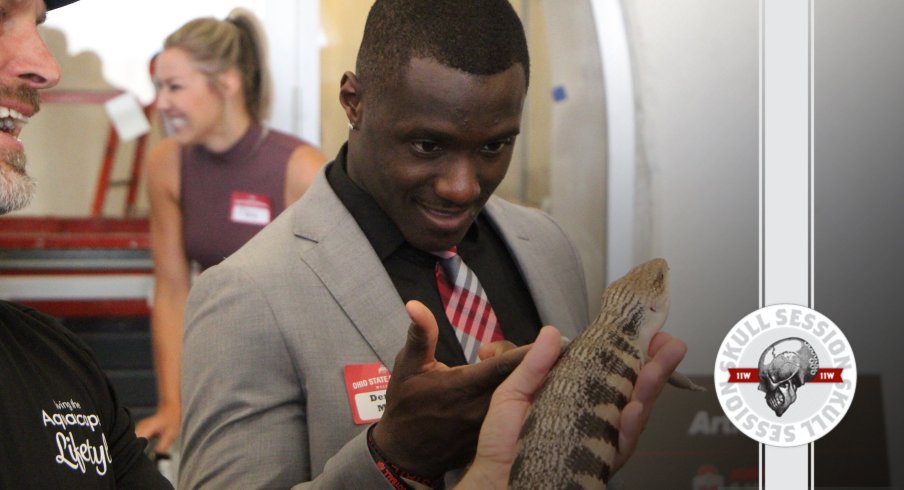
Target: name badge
250	209
366	386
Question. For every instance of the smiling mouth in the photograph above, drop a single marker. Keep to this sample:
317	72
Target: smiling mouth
174	123
12	121
446	217
444	211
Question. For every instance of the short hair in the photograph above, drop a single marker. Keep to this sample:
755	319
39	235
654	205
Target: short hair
236	42
480	37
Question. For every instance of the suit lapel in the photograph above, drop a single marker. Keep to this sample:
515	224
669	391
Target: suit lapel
538	271
335	248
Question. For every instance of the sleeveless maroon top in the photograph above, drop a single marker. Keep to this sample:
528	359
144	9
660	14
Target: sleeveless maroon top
228	197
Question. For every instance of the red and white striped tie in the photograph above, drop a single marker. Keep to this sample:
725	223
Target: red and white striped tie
467	306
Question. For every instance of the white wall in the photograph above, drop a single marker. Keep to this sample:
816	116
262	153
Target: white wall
696	79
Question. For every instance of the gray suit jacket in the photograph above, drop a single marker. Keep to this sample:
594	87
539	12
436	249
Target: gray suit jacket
269	330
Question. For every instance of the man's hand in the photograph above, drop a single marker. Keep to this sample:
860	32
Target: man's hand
508	408
164	425
666	352
494	349
433	412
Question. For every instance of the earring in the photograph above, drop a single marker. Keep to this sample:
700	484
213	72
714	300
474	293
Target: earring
352	126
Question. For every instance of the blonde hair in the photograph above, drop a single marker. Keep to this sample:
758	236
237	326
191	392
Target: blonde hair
235	42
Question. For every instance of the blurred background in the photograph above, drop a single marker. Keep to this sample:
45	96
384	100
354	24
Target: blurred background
640	135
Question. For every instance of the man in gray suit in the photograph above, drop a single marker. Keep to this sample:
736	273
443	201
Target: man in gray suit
289	342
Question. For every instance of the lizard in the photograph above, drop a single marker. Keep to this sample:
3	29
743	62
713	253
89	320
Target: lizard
570	434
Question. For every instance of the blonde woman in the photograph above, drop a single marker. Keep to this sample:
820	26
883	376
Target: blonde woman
218	178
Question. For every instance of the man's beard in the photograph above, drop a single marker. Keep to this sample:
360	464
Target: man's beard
16	187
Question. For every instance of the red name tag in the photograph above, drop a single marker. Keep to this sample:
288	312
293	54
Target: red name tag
250	209
366	386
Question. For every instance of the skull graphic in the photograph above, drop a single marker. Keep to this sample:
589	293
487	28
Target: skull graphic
784	367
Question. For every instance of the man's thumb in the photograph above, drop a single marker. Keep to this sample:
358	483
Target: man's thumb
420	347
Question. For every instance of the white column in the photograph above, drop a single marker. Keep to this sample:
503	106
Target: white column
293	31
618	83
785	192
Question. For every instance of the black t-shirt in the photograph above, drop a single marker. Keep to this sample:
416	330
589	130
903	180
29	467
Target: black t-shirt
61	425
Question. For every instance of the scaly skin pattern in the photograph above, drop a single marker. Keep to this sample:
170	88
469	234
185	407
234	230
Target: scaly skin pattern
570	437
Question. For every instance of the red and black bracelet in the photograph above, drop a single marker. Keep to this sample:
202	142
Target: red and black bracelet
398	477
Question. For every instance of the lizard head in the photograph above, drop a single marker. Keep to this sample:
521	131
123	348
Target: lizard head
641	297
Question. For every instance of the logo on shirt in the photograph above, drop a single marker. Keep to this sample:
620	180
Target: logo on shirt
80	443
